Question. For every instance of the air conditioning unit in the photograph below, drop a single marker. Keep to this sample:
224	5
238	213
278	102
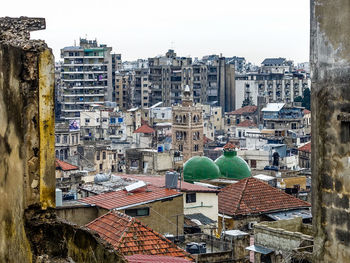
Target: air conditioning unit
251	225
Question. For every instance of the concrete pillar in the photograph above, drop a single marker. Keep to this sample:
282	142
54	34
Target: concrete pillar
283	91
274	90
291	90
330	71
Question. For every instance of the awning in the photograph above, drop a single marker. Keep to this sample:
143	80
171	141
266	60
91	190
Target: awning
260	249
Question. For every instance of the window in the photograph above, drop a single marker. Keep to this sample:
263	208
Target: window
137	212
196	148
65	139
87	121
104	155
191	198
101	166
58	139
98	156
253	163
181	148
294	126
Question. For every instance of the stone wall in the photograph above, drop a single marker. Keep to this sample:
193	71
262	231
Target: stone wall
80	215
330	70
27	165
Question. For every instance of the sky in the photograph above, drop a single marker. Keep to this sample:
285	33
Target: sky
253	29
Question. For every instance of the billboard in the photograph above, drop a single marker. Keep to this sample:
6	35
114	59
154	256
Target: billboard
74	125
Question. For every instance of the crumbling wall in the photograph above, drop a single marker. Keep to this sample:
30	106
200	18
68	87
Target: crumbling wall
26	103
27	163
330	70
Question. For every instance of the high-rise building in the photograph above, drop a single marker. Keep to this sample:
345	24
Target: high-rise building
212	80
86	77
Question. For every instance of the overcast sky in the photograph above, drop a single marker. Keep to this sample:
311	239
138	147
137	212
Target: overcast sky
254	29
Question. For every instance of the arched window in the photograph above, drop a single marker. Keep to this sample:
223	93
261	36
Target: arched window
184	119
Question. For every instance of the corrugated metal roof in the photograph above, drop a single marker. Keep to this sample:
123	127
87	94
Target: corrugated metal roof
273	107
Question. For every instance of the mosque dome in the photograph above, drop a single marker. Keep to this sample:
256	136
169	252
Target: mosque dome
232	166
200	168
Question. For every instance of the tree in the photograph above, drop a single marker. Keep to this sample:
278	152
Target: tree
306	99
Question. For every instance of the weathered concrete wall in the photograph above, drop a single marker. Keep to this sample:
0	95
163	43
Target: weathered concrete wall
330	67
162	216
27	157
27	163
80	215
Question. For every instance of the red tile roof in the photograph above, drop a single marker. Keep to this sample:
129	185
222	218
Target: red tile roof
144	129
229	146
246	123
159	181
158	259
251	196
129	236
206	139
305	148
306	111
64	166
122	199
245	109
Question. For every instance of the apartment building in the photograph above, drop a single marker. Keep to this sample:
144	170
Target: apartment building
277	81
86	77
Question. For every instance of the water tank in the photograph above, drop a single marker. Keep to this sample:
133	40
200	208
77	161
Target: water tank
196	248
99	178
171	179
58	197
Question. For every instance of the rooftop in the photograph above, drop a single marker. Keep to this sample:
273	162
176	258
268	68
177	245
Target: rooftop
156	258
64	166
246	123
268	61
159	181
305	148
122	199
245	109
130	237
273	107
144	129
252	196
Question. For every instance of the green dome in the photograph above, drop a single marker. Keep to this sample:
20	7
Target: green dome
200	168
232	166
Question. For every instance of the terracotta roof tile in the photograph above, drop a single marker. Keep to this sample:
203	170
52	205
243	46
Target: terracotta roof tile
246	123
154	258
144	129
305	148
159	181
129	236
229	146
306	111
252	196
245	109
65	166
122	198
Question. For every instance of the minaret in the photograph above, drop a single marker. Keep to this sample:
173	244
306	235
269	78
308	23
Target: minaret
187	126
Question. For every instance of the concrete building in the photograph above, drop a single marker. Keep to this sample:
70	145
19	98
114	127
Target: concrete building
66	142
213	122
86	77
274	83
284	241
187	127
123	90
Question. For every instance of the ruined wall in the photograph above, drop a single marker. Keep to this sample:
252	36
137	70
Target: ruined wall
26	124
330	67
80	215
27	163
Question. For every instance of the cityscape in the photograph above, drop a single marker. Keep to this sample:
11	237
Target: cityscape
173	157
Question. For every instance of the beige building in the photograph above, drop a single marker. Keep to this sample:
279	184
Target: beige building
187	127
